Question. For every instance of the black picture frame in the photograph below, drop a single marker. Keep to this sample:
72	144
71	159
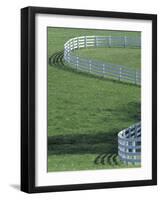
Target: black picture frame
28	98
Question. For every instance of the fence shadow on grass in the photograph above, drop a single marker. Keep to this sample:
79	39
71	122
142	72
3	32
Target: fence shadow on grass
102	144
111	159
83	143
57	58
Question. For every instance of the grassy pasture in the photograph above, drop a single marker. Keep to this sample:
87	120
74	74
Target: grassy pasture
130	58
85	112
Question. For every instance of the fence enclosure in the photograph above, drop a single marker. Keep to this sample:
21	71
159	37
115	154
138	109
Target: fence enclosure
109	70
129	144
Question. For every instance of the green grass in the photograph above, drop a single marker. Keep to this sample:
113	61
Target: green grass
85	112
130	58
81	162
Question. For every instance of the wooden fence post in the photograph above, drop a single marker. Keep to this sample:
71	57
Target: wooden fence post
120	73
135	76
90	66
133	150
77	43
103	68
126	151
85	41
77	63
107	41
95	43
125	41
73	44
110	41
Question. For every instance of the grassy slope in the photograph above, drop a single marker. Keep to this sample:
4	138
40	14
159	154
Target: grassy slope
85	113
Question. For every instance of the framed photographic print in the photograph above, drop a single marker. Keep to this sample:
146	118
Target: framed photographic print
88	99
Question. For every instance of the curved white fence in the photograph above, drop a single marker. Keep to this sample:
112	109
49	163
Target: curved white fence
109	70
129	140
129	144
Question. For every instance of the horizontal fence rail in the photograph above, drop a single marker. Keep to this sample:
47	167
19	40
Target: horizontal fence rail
129	144
129	140
109	70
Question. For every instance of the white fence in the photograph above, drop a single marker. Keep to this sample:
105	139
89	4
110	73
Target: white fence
129	144
109	70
